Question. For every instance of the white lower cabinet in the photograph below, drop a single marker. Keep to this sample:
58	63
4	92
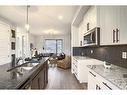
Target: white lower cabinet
79	67
91	81
96	82
80	70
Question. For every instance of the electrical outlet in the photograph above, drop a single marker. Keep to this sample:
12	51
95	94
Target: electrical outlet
124	55
82	54
91	51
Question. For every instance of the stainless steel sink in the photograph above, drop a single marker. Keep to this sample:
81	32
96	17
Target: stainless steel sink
23	67
29	66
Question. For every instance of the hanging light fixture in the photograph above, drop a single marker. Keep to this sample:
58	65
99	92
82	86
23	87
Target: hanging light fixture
27	25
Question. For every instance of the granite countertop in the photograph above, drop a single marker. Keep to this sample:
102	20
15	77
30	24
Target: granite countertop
92	61
116	75
82	57
13	79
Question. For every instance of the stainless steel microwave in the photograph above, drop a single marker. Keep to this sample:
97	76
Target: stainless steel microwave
92	37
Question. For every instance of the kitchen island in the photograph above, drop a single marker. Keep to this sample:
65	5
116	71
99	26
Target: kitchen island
25	77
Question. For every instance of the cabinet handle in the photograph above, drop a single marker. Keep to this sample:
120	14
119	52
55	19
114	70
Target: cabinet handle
75	60
97	87
114	36
117	34
93	74
107	85
75	66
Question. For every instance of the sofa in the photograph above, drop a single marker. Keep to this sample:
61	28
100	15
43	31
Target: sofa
64	63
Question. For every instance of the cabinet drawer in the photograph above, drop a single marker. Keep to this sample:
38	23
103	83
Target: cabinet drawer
75	65
76	75
75	60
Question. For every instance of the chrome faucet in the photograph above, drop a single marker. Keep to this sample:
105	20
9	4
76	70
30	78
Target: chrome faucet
18	59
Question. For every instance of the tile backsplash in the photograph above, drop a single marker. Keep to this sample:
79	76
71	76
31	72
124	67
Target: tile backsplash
111	54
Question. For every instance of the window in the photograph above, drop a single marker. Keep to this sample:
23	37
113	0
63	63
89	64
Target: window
54	46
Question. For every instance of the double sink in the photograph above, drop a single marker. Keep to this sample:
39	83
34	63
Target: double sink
26	68
23	68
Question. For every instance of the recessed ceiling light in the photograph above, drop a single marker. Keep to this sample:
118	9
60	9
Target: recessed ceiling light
51	32
60	17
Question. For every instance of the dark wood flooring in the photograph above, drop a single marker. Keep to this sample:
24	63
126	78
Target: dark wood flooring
63	79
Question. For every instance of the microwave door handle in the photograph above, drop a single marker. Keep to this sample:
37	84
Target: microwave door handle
114	36
117	34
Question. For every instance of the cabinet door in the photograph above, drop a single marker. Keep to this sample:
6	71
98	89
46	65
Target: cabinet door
35	83
46	74
91	81
106	85
81	29
123	25
75	37
85	24
92	17
42	79
109	21
106	25
86	20
82	71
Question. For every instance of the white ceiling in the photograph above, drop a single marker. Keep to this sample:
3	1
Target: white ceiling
41	18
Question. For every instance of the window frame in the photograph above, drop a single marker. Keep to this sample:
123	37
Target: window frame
56	44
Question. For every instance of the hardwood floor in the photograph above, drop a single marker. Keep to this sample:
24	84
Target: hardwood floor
63	79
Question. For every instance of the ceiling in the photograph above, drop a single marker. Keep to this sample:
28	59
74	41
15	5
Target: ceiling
42	19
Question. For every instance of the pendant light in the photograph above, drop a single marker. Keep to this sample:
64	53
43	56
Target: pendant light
27	26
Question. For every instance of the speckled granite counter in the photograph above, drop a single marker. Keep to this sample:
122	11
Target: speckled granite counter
116	75
12	79
82	57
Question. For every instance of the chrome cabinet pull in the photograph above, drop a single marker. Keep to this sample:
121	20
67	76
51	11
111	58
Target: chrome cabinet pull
107	85
93	74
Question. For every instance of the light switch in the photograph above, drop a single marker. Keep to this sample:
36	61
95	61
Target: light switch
125	55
